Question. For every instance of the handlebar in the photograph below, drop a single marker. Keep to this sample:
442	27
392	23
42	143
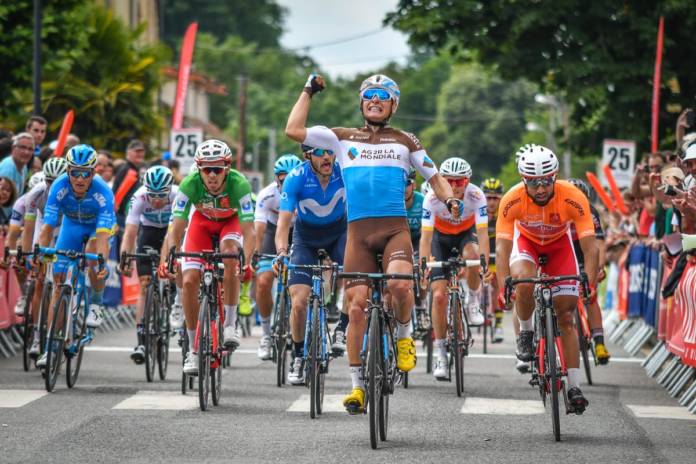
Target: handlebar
374	276
70	254
209	256
510	283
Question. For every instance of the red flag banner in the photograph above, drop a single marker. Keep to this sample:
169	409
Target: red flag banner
64	132
656	83
600	191
184	72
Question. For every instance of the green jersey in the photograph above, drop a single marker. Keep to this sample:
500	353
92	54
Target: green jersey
235	198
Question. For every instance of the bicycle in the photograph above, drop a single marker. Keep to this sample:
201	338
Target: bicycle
378	353
549	369
487	306
585	344
459	338
317	348
280	326
211	319
155	322
68	333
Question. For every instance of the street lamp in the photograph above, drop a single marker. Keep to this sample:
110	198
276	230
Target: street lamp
558	115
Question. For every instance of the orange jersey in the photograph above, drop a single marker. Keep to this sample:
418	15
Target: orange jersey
544	224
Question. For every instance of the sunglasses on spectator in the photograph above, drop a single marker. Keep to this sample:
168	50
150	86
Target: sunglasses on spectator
381	94
321	152
539	181
212	170
80	174
462	182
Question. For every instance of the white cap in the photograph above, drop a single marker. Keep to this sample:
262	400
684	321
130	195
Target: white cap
690	152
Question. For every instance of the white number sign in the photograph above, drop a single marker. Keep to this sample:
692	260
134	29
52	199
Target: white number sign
620	155
182	145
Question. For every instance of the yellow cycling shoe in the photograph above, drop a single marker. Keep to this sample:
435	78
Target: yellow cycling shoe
405	354
602	353
354	402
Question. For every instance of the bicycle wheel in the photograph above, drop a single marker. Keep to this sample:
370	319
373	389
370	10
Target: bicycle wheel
583	344
184	344
314	362
46	294
27	325
455	343
552	376
164	335
150	332
77	348
204	351
428	340
281	341
374	374
217	359
57	335
388	379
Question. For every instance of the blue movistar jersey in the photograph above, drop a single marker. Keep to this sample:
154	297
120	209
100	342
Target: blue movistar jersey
95	208
374	164
315	206
414	215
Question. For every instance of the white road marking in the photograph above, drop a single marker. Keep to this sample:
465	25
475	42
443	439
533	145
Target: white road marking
502	407
332	403
160	400
126	349
19	398
661	412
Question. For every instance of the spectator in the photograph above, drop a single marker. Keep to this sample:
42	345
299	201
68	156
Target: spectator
15	166
8	194
35	165
105	166
70	141
123	185
36	126
5	143
46	152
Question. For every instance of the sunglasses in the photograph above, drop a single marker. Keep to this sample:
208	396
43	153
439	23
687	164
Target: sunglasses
539	181
80	174
321	152
381	94
212	170
458	182
158	196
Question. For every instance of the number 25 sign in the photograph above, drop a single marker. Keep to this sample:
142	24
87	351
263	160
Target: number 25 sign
183	143
620	155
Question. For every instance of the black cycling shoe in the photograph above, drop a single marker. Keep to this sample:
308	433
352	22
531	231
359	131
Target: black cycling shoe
576	401
525	346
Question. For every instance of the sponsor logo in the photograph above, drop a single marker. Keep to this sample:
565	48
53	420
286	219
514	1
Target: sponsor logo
510	205
555	218
379	154
358	137
247	206
181	204
426	214
576	205
352	153
413	138
284	196
483	211
225	202
474	195
16	215
100	199
310	204
387	139
61	194
427	162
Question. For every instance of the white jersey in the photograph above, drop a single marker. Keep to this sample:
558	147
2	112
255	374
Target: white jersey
437	216
268	204
18	210
35	200
141	211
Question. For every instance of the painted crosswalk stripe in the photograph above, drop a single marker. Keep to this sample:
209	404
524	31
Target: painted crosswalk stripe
159	400
332	403
500	406
661	412
19	398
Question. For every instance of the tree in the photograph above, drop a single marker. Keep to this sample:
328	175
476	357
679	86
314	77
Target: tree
597	55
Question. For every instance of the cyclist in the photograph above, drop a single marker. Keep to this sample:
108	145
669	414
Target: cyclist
221	197
149	213
442	233
265	222
87	205
493	189
316	191
593	311
414	208
374	160
534	221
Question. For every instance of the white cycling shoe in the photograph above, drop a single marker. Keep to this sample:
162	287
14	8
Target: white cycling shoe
176	317
95	317
191	364
475	314
264	352
440	368
19	307
232	337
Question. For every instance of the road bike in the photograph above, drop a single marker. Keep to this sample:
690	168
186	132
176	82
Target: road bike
281	340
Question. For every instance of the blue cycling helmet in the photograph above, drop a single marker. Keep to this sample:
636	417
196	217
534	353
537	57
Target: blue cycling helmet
285	164
81	156
158	179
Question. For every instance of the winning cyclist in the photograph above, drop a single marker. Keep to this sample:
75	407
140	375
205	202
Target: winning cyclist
442	233
374	161
86	204
316	191
149	213
222	200
534	220
493	189
265	223
594	312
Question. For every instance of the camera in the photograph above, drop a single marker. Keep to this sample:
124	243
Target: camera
671	190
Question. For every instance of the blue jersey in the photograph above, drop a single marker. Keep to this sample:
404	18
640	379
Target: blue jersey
374	164
315	206
414	215
96	208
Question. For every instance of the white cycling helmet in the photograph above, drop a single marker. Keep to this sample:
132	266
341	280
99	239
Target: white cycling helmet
455	167
380	81
690	152
527	147
54	167
537	161
35	180
213	150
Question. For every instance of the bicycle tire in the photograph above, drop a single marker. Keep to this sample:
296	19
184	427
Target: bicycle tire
312	364
56	338
487	328
584	348
203	354
74	361
389	373
455	344
183	340
164	335
374	381
552	373
149	333
428	340
217	355
46	294
27	325
281	342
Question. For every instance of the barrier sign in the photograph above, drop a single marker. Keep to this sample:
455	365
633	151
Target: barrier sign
620	156
182	145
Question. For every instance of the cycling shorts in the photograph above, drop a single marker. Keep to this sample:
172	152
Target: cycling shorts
560	259
151	237
199	236
72	237
388	236
443	244
306	243
268	248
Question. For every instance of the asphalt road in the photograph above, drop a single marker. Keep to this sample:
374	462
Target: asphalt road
114	415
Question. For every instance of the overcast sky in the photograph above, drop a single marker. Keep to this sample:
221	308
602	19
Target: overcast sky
323	21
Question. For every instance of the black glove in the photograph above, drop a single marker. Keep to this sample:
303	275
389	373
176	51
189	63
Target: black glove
315	84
